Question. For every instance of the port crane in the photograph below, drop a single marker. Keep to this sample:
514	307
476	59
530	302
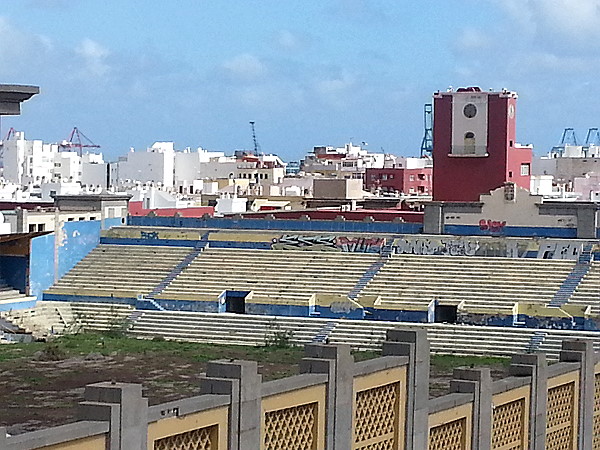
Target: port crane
75	142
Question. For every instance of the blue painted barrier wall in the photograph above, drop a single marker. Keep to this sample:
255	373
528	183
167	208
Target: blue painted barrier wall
288	225
75	240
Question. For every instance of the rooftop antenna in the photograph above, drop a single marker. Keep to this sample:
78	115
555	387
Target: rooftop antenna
254	138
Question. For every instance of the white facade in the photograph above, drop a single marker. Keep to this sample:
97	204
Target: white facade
27	161
155	165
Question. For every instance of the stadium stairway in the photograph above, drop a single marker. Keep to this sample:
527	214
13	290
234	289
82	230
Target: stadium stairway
573	280
371	272
322	336
243	329
185	262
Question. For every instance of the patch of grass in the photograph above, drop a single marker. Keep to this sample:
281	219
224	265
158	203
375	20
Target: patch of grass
14	351
449	362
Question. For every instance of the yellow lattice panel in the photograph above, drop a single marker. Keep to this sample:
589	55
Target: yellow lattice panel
559	417
596	438
200	439
449	436
291	428
376	417
508	425
387	444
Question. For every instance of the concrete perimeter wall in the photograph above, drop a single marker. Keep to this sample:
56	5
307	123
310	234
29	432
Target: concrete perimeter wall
336	403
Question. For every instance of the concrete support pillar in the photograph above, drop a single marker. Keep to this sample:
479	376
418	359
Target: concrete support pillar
414	344
582	351
587	222
479	383
122	405
433	218
534	365
22	221
240	380
3	443
337	362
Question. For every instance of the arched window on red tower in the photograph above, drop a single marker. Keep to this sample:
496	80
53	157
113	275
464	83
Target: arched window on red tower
469	143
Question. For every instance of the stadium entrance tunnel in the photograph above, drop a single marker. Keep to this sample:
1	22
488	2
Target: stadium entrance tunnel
446	313
234	301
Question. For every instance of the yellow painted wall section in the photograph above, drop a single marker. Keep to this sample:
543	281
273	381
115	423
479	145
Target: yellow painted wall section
240	236
562	380
508	397
161	233
449	416
177	425
396	375
89	443
296	398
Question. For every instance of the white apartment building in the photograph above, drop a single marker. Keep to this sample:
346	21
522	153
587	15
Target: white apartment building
155	166
28	161
349	161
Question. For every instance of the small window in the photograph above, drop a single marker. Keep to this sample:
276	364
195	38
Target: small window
71	219
510	174
92	218
81	218
391	176
31	227
411	178
509	192
384	177
41	226
525	170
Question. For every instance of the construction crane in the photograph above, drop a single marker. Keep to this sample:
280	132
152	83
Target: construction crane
10	134
75	142
427	142
256	146
568	137
592	137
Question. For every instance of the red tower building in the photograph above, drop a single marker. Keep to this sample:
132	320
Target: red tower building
474	147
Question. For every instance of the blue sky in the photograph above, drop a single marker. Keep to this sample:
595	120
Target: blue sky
308	72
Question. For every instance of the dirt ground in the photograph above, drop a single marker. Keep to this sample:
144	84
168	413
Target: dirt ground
42	383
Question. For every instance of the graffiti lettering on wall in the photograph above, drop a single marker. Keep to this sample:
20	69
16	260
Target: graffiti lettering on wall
436	246
559	250
300	242
493	226
149	234
329	243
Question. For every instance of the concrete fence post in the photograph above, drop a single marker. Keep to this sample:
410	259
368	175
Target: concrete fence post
582	351
240	380
122	405
337	362
414	344
479	383
534	365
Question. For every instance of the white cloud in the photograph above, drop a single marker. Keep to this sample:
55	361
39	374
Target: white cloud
574	20
336	91
20	51
287	40
94	56
245	66
471	39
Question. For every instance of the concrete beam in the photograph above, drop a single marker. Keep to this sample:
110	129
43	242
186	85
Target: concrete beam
11	97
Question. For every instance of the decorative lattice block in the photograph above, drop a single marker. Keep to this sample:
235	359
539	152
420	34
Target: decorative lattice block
200	439
449	436
508	423
291	428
